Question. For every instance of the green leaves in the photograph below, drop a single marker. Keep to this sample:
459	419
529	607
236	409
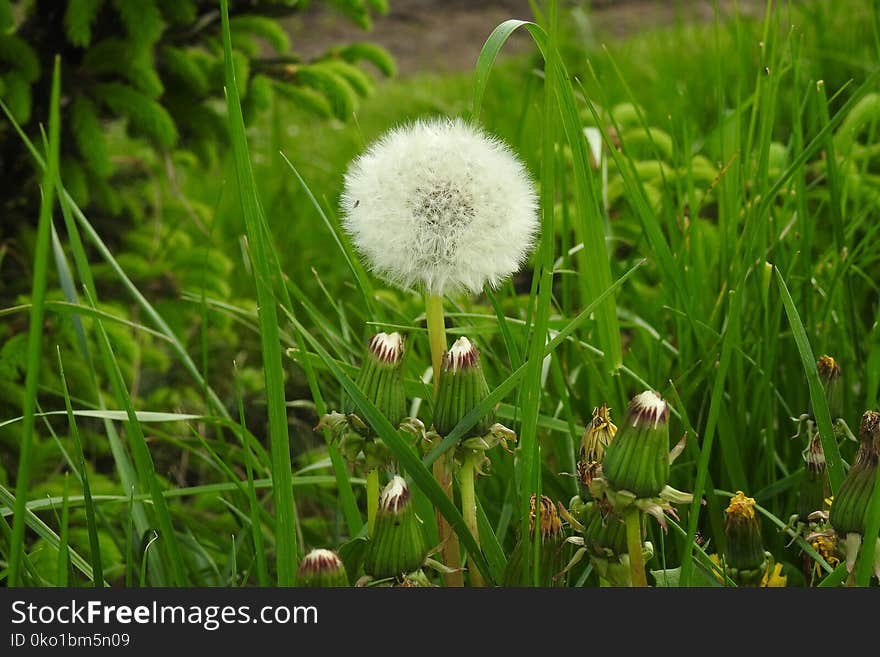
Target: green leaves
78	20
144	114
89	135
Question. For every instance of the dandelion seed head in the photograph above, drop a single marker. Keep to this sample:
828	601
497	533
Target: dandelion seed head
441	206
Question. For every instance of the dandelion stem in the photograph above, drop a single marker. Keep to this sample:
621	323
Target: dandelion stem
436	333
372	498
634	546
469	506
437	342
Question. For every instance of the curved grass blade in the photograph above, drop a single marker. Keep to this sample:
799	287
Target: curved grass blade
817	393
35	328
279	438
45	532
91	523
865	564
731	337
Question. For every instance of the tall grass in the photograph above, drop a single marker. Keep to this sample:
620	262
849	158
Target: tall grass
720	244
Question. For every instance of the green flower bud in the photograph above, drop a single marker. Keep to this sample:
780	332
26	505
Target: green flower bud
849	511
398	544
321	568
552	555
637	460
744	555
381	379
604	532
462	386
814	485
829	374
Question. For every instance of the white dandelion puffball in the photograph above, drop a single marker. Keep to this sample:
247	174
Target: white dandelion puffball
440	205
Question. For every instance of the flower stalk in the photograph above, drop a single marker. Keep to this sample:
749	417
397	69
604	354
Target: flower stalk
633	519
372	498
436	323
469	505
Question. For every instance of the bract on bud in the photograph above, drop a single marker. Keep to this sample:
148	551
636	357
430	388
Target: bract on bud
381	378
398	545
637	460
852	501
462	386
321	568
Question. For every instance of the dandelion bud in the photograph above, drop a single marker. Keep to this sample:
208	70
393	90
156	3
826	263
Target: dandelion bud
381	377
551	558
605	543
321	568
638	459
398	545
850	509
744	555
604	532
462	387
829	375
814	485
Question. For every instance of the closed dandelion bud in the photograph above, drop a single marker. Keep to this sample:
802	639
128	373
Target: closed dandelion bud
744	555
321	568
637	460
551	557
398	545
381	378
848	513
462	386
604	532
829	375
814	485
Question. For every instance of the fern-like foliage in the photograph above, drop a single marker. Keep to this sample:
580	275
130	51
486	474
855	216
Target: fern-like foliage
157	65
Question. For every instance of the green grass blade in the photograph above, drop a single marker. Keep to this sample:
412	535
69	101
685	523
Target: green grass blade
730	338
817	392
256	534
146	470
490	50
836	577
64	538
354	264
91	523
865	564
279	438
35	328
491	545
45	532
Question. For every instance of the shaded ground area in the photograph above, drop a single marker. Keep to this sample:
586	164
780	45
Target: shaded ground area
446	35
